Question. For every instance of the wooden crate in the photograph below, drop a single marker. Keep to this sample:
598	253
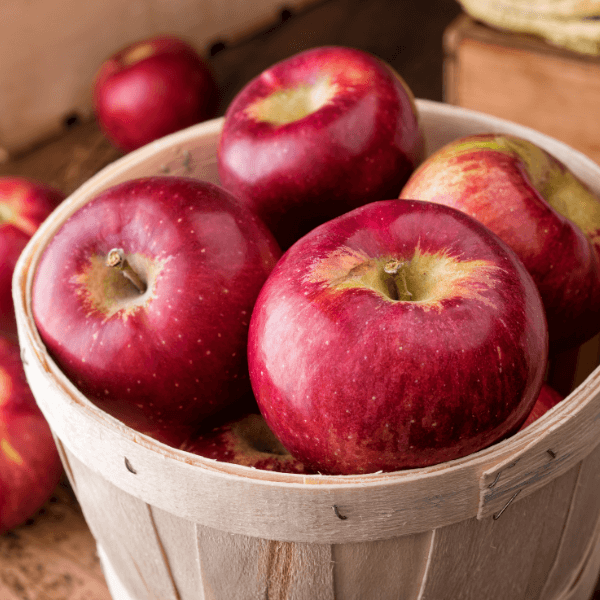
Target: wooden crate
51	50
517	521
522	78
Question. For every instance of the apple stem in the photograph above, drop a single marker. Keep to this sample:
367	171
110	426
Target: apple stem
396	267
116	259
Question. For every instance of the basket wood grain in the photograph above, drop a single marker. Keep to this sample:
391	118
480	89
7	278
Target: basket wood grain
519	520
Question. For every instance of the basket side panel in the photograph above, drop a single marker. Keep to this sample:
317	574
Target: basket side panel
579	534
585	583
178	539
263	568
504	556
381	570
124	526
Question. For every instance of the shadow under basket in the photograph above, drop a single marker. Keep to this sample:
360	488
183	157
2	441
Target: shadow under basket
518	520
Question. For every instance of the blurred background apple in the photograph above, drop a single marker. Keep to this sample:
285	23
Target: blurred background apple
152	88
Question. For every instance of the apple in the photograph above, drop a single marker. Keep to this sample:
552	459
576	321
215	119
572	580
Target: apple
324	131
242	437
30	467
152	88
532	201
24	204
401	334
548	398
143	299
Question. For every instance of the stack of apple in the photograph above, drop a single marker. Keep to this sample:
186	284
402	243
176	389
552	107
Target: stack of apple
391	334
30	467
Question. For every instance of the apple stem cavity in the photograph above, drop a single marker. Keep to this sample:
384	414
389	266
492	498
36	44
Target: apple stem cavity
396	268
116	259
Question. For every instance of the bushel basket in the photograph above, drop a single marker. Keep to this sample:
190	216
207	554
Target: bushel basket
516	521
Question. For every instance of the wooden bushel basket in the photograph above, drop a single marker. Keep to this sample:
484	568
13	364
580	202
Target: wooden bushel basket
518	520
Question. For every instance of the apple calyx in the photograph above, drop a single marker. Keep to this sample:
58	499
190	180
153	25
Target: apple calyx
294	103
116	259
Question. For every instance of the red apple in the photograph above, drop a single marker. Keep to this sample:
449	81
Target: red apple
539	208
401	334
24	204
316	135
547	399
143	298
243	438
152	88
30	467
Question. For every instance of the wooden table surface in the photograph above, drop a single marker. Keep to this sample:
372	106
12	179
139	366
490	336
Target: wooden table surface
53	555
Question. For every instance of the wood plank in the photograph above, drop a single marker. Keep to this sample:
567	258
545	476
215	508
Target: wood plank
502	558
262	568
123	525
384	570
580	528
180	544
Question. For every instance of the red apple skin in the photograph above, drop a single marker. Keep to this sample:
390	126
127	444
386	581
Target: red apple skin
359	146
242	437
24	205
547	399
30	466
163	360
152	88
352	381
546	215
